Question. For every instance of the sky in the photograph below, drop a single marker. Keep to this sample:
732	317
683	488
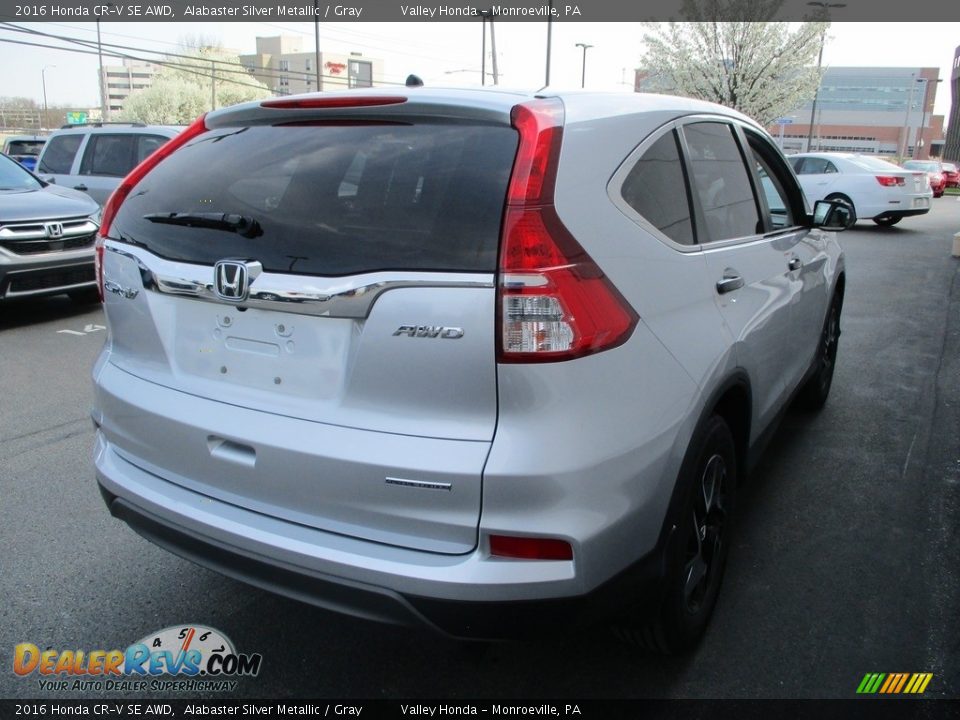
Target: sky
446	54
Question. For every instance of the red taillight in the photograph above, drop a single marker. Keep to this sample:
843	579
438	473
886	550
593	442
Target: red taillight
891	180
139	172
554	302
340	101
530	548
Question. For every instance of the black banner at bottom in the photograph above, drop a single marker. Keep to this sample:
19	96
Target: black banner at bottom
873	708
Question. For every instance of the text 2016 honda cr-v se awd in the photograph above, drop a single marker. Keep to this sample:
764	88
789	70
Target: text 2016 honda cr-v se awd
487	360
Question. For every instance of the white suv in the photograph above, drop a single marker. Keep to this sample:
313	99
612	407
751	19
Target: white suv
94	158
490	361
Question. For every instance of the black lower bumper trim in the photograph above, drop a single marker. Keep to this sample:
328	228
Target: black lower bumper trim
636	589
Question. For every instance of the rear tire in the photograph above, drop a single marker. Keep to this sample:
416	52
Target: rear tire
699	552
888	221
816	390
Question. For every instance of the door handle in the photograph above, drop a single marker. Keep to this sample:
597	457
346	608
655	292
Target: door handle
81	186
731	281
795	263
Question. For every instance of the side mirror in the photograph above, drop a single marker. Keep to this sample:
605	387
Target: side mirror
832	215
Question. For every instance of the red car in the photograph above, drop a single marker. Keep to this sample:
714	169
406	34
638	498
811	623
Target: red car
952	174
933	168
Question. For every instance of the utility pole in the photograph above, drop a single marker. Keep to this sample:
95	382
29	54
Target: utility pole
43	80
104	110
546	82
213	85
493	51
483	48
583	74
316	41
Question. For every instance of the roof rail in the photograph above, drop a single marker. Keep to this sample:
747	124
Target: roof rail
102	124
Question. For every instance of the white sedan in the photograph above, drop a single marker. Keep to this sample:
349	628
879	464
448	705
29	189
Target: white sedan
873	188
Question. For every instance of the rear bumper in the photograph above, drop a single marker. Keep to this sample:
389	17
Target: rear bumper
400	587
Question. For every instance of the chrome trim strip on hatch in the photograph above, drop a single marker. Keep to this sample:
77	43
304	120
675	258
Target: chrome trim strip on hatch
337	297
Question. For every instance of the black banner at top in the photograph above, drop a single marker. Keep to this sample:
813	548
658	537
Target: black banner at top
470	10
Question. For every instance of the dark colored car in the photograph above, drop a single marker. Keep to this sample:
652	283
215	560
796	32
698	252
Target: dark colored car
46	237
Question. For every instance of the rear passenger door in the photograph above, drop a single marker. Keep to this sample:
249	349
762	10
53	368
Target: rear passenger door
747	258
57	159
109	157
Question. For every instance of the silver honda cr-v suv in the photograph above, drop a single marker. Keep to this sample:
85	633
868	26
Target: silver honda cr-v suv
487	360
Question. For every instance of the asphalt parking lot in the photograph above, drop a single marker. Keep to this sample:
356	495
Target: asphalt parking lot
845	559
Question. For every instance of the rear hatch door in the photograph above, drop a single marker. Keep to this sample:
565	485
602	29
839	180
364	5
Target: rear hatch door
333	271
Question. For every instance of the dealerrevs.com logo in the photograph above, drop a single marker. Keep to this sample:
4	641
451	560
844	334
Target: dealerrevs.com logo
190	658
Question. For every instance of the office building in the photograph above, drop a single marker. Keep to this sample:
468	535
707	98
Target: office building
282	65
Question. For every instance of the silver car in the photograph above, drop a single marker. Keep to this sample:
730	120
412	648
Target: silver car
47	235
95	157
484	360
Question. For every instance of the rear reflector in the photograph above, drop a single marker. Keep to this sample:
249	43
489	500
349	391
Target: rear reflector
530	548
554	301
891	180
341	101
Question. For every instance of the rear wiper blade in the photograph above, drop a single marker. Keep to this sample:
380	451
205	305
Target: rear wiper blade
232	222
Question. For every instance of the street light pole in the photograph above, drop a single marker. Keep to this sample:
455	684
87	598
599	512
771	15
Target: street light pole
43	80
583	72
923	113
906	119
825	8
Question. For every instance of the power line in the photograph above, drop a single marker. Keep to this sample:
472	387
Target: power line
234	67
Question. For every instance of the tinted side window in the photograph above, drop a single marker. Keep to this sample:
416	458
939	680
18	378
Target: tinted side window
817	166
59	153
110	155
656	188
721	182
146	144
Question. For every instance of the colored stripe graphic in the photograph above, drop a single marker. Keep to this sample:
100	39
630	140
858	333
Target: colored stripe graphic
894	683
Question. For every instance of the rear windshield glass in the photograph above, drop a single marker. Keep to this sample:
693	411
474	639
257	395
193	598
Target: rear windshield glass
333	198
25	147
869	163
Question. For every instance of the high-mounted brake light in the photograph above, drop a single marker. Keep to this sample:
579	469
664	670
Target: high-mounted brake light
554	301
117	197
530	548
340	101
891	180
